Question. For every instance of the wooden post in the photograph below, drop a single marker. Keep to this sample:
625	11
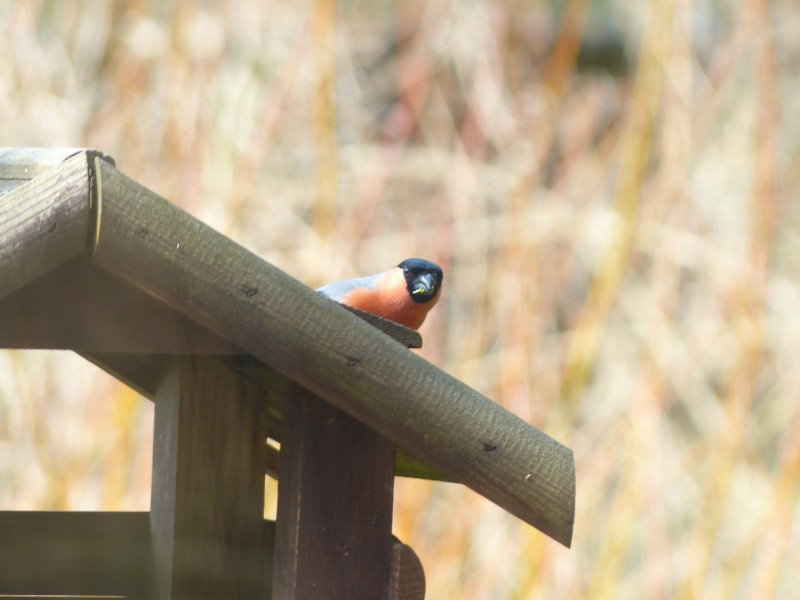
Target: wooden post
206	513
333	534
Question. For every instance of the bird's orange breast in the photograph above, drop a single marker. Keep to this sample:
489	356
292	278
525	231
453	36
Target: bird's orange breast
390	299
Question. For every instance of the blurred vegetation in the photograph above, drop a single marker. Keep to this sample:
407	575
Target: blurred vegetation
607	185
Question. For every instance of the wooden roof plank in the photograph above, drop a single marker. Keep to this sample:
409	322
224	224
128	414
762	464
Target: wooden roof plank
221	285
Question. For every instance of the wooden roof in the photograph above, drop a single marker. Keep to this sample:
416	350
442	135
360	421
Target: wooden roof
94	262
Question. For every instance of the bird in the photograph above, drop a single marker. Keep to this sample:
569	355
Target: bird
403	294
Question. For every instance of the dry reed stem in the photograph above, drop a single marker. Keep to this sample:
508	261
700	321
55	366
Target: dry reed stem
325	120
635	159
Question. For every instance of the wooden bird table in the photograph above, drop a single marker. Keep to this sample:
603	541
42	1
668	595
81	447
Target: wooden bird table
234	351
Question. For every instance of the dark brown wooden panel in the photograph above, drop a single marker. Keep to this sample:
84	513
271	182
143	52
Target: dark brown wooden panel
97	554
80	307
73	552
407	581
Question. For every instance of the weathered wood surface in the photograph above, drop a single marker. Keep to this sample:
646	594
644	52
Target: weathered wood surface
44	223
74	552
329	351
207	501
333	535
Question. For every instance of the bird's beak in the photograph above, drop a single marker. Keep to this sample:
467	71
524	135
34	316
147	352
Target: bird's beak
425	284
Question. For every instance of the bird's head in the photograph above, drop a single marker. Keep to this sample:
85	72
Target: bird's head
423	279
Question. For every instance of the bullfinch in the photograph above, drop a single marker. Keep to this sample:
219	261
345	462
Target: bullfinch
403	294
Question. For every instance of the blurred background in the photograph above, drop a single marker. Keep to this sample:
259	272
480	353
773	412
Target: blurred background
609	186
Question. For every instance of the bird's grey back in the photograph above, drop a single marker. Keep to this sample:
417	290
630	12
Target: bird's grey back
338	290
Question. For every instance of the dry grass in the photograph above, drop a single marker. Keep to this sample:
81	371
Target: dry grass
621	253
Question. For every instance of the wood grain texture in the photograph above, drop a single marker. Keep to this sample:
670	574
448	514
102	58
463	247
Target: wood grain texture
332	353
208	484
334	528
44	223
74	552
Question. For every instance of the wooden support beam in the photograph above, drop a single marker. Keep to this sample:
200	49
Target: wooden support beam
105	553
333	534
208	484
